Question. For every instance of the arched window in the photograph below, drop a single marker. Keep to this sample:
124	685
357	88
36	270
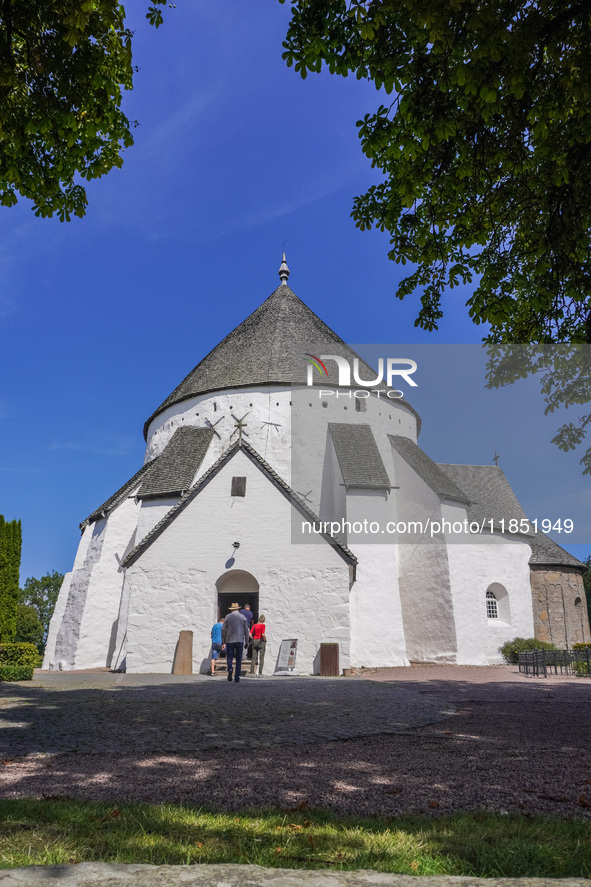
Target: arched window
497	603
578	602
492	610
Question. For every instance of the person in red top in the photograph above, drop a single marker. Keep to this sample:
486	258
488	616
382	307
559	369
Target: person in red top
259	642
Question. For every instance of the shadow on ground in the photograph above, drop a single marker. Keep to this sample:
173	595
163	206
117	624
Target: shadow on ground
512	745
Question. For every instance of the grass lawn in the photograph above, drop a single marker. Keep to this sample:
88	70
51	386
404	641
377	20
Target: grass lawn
58	831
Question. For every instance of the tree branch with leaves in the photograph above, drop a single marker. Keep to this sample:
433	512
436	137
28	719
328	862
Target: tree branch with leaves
484	163
484	154
64	65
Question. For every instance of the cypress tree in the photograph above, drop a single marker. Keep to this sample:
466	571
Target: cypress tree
3	603
10	560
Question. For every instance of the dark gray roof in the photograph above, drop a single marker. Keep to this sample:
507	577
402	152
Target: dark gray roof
545	552
358	456
262	351
493	498
205	478
439	481
178	463
121	494
489	491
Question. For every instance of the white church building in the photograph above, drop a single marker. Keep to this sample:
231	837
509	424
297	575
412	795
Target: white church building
252	486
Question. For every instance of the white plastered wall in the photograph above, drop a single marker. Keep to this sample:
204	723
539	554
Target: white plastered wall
268	424
89	553
151	512
425	592
476	564
83	628
303	589
377	626
333	498
49	660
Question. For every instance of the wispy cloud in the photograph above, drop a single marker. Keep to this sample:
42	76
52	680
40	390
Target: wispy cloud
170	130
101	445
312	194
12	470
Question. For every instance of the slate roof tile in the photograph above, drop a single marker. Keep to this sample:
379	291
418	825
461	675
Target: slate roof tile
178	463
492	497
439	481
489	492
358	456
546	552
261	351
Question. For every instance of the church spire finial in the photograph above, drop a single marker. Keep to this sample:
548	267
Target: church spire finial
284	271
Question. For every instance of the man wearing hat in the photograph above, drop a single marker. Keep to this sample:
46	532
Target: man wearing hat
235	637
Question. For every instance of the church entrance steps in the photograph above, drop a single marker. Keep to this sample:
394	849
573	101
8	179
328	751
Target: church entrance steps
221	667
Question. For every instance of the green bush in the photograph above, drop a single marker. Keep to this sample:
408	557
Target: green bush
19	654
580	666
16	672
511	650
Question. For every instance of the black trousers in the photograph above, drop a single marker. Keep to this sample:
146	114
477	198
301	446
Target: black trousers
234	651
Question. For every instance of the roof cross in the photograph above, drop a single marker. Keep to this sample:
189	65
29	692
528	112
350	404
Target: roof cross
496	458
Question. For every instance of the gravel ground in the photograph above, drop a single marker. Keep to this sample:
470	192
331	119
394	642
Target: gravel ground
512	743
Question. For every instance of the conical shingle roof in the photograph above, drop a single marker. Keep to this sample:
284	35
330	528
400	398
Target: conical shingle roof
262	350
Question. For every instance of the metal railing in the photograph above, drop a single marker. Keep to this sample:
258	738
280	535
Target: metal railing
541	663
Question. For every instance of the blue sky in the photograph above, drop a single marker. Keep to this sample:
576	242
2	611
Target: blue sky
102	317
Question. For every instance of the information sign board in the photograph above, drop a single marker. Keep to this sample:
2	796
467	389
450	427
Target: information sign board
287	655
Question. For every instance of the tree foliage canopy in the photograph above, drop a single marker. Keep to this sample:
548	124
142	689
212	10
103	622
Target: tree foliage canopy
63	67
564	374
28	627
484	149
41	595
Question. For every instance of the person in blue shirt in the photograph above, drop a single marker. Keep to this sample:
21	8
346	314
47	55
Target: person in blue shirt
216	644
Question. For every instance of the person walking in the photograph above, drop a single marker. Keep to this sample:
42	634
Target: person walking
259	643
216	644
235	637
248	614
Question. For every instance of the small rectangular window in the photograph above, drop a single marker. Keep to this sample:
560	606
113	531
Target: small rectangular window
238	486
360	405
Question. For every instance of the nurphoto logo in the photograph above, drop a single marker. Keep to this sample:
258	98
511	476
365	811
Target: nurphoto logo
401	367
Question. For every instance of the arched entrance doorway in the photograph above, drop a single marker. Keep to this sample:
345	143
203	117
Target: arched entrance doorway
240	587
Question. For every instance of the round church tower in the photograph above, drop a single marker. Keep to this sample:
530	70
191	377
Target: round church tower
254	386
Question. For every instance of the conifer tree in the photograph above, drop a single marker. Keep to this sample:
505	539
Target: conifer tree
10	560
